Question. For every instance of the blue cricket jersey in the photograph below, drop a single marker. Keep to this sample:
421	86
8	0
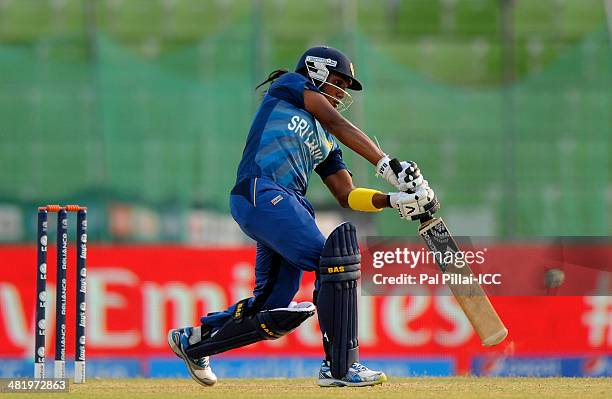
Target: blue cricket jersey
286	143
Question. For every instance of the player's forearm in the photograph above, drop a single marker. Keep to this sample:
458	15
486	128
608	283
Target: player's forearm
381	200
340	127
356	140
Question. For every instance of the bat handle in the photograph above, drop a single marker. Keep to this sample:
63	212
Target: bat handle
425	218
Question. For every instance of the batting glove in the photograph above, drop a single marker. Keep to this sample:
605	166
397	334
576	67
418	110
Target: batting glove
410	205
407	180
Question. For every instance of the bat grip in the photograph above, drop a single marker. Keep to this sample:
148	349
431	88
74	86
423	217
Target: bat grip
425	218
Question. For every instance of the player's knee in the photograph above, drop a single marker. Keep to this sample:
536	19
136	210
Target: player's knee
281	295
340	257
278	302
307	257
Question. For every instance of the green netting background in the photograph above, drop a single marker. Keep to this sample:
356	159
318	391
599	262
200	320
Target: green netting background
536	154
97	119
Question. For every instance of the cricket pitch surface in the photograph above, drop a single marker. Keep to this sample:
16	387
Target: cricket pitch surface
270	388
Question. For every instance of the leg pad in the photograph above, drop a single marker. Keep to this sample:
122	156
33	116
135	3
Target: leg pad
337	298
243	330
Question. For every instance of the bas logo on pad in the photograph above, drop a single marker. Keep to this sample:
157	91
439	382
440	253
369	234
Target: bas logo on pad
266	329
336	269
238	311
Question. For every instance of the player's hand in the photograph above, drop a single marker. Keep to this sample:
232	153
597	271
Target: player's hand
411	205
408	179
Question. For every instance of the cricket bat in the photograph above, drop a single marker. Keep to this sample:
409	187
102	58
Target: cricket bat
471	297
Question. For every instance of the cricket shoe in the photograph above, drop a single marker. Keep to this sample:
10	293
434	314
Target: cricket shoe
199	369
358	375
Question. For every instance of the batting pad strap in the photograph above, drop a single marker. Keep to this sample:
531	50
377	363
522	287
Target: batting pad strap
360	199
340	273
241	306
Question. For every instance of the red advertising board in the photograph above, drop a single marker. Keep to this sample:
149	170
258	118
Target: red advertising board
136	293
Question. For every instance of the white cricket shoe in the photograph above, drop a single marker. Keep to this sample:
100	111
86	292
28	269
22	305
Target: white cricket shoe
358	375
199	369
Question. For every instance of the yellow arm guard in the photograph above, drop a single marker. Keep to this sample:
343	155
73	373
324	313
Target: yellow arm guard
360	199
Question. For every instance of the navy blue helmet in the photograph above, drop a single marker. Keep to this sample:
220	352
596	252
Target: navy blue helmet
316	63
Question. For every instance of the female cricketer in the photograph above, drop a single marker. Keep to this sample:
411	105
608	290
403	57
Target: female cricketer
295	132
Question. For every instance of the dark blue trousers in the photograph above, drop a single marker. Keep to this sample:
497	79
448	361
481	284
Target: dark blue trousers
288	242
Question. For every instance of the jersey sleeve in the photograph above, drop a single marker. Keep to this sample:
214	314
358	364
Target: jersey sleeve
290	87
332	164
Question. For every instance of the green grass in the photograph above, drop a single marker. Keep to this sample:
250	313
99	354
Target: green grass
456	387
